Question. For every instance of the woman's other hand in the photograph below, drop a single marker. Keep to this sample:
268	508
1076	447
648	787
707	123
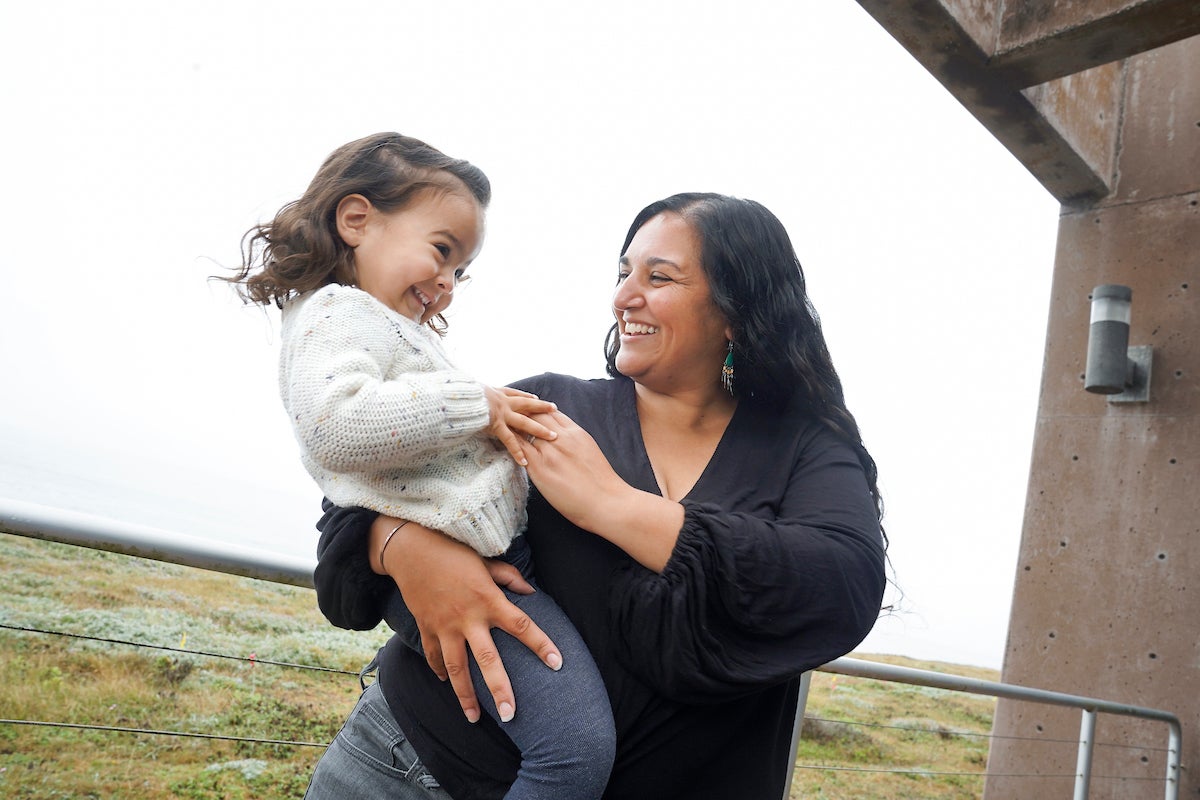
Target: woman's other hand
511	420
452	593
573	474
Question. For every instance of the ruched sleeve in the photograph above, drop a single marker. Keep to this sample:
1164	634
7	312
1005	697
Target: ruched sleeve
752	598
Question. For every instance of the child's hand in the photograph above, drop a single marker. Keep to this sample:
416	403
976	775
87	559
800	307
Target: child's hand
510	423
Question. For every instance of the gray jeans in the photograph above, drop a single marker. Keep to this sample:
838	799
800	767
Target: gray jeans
371	759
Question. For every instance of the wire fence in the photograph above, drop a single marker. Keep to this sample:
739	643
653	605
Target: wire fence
935	733
145	543
981	774
255	661
932	733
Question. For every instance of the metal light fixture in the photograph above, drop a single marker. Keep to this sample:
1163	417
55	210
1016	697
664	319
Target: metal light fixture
1113	367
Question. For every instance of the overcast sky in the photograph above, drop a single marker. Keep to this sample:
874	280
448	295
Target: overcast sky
142	139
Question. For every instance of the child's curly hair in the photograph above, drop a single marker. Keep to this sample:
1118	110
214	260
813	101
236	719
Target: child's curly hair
300	249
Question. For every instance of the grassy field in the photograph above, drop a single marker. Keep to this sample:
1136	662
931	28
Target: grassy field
930	743
50	678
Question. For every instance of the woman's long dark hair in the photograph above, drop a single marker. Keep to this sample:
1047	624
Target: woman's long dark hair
779	350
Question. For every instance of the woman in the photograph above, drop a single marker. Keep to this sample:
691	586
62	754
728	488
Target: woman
711	538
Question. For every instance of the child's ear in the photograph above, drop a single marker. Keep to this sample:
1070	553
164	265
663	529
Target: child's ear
351	216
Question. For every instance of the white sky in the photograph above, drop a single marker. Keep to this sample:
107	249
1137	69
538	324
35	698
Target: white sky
143	138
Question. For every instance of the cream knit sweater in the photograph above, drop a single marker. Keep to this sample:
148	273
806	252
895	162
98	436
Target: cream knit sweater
386	422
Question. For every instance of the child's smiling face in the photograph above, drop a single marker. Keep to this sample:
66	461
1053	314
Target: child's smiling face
411	260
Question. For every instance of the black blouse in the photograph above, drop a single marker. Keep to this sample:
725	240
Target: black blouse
779	568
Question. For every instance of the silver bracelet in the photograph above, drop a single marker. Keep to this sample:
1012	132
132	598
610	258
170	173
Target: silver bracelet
387	540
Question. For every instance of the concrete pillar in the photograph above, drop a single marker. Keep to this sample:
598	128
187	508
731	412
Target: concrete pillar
1107	595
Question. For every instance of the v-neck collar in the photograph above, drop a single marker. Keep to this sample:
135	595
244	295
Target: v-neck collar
645	478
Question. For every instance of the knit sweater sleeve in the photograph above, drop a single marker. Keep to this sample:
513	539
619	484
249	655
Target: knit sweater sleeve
358	385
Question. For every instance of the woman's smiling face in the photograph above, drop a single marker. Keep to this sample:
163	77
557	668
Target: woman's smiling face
672	336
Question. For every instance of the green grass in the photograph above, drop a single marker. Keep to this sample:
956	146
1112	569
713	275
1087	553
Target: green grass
923	739
56	679
51	678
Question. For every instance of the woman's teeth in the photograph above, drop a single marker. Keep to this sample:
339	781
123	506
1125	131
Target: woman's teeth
638	328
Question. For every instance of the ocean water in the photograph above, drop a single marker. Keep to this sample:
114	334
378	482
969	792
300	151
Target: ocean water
218	502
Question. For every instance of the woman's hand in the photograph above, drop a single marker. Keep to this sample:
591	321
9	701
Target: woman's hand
453	594
510	421
572	472
575	477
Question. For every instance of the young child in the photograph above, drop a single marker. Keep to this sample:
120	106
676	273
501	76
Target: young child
362	265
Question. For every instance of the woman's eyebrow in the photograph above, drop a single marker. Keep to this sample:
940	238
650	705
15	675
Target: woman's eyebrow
652	261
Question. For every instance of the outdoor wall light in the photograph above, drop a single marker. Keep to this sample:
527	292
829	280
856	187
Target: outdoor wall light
1113	367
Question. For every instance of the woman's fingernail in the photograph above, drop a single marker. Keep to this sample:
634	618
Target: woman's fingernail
554	661
472	715
506	712
553	434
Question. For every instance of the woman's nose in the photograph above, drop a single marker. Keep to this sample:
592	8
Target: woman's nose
626	294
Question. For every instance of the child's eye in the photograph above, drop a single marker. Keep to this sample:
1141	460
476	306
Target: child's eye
444	249
460	276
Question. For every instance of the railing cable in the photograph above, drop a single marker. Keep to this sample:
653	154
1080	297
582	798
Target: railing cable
949	732
149	731
920	773
252	660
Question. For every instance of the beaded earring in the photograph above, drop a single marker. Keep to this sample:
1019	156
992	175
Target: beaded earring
727	370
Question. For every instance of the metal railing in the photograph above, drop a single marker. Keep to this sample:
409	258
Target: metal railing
1090	707
69	527
98	533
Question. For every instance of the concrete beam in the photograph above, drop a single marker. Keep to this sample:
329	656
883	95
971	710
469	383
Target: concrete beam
1041	40
934	36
